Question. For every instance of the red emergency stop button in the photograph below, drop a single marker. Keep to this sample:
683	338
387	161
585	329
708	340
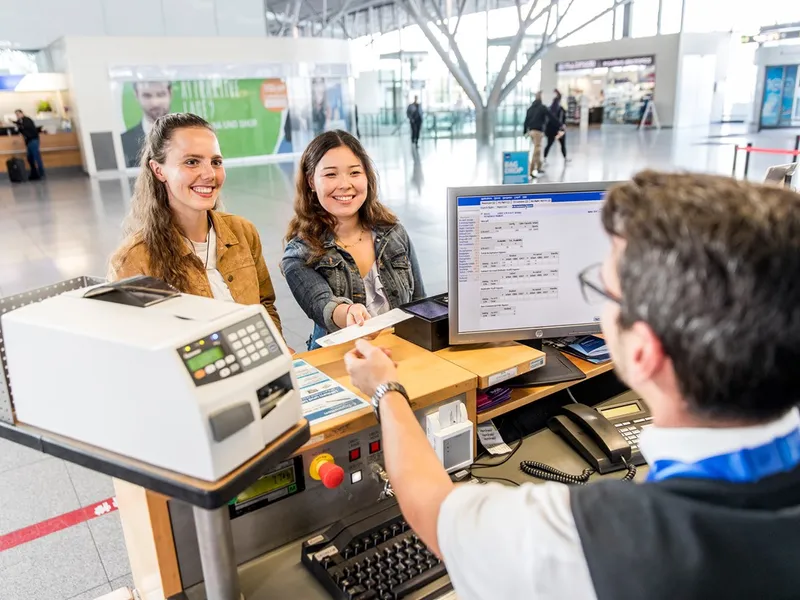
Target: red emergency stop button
323	468
331	474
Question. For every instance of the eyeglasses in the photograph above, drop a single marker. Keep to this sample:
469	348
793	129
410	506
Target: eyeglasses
592	286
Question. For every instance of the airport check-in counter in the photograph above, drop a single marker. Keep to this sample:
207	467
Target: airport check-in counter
268	531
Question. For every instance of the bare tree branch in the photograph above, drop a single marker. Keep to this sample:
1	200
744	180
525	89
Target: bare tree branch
462	63
519	11
542	49
513	50
464	79
460	14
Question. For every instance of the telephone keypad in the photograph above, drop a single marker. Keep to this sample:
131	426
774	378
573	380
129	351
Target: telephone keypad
631	430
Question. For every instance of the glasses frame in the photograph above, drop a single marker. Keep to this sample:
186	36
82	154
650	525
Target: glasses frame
586	283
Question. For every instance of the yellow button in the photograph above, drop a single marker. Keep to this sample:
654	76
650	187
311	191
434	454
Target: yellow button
188	348
202	342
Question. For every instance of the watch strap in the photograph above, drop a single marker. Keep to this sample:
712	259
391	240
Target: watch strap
384	389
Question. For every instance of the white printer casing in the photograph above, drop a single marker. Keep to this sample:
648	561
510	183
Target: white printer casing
191	384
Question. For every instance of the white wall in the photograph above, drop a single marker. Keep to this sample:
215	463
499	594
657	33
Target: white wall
664	47
766	56
88	60
33	24
707	44
369	94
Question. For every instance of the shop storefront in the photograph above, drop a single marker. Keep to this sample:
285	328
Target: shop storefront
615	90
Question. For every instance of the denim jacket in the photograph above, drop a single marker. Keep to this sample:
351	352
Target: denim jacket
334	279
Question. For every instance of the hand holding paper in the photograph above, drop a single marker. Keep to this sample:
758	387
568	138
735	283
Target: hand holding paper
370	327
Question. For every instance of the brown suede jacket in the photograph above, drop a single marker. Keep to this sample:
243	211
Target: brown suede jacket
239	260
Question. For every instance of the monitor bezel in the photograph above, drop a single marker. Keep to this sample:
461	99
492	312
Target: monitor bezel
505	335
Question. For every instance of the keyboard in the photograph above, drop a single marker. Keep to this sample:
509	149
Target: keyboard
374	556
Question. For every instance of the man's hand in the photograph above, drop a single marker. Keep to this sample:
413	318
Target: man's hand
370	366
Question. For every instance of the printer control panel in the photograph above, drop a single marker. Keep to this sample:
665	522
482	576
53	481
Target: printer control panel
230	351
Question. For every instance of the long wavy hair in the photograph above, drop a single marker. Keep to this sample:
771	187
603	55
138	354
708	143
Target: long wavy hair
150	220
311	222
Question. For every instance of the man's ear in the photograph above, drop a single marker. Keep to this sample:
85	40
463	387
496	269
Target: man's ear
158	171
646	355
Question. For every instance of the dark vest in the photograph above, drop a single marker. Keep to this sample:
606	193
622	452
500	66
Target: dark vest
685	539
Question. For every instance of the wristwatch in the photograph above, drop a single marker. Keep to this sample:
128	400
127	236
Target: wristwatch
384	389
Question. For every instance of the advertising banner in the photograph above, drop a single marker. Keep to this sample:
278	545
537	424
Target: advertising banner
250	115
515	167
787	101
328	106
771	106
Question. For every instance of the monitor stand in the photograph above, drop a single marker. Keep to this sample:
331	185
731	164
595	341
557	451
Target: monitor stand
557	369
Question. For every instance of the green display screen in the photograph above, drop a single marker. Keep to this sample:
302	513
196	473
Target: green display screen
205	358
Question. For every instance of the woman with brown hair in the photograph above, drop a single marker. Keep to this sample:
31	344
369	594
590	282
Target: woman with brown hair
175	231
347	256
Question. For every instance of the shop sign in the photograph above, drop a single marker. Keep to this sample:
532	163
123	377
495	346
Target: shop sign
628	61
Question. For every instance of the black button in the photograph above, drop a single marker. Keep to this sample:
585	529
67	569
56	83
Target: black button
347	582
412	572
230	277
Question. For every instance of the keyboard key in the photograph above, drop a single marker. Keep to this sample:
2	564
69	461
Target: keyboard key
419	581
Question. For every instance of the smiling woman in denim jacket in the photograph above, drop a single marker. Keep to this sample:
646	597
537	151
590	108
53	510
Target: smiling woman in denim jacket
347	257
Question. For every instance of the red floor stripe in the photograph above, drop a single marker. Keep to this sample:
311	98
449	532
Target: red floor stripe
48	526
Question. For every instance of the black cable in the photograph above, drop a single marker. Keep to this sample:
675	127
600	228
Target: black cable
480	478
548	473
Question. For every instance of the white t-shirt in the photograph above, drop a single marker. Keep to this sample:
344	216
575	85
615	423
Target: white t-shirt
219	289
377	302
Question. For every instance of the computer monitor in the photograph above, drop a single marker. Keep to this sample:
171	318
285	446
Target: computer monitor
514	255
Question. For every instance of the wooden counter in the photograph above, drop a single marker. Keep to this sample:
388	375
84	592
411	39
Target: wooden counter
58	150
427	378
522	396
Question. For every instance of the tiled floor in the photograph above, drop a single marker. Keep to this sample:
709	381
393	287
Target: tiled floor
68	225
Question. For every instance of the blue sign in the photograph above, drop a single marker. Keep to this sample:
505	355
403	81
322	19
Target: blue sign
515	167
773	87
789	83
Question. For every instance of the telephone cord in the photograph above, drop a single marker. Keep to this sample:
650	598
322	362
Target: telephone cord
548	473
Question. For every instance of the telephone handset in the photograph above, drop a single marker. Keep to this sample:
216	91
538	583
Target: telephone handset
593	436
607	437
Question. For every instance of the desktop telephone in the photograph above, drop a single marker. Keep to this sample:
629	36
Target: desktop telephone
606	437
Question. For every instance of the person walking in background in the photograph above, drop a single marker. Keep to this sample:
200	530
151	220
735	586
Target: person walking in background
414	114
30	133
535	122
556	128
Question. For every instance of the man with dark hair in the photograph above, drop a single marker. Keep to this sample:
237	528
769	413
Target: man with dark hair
702	318
536	120
414	114
30	133
154	98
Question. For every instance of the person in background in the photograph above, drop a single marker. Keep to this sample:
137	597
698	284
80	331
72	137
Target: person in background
347	257
154	98
535	122
414	114
703	323
175	230
556	129
30	133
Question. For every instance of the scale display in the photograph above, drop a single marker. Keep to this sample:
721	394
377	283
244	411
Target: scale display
284	481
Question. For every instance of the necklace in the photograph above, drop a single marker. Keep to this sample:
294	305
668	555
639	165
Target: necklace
356	243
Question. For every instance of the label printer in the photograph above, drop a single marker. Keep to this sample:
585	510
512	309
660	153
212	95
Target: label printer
190	384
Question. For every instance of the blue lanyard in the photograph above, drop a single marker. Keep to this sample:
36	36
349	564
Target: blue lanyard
741	466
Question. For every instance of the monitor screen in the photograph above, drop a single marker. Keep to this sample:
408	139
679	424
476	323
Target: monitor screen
515	253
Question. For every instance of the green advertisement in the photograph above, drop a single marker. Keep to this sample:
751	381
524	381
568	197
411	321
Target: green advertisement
249	115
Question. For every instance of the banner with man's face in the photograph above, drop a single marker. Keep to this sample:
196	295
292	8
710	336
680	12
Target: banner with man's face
249	115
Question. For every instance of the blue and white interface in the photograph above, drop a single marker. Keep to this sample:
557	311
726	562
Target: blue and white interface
519	257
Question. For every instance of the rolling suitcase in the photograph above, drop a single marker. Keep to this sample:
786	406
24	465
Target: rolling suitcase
16	170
